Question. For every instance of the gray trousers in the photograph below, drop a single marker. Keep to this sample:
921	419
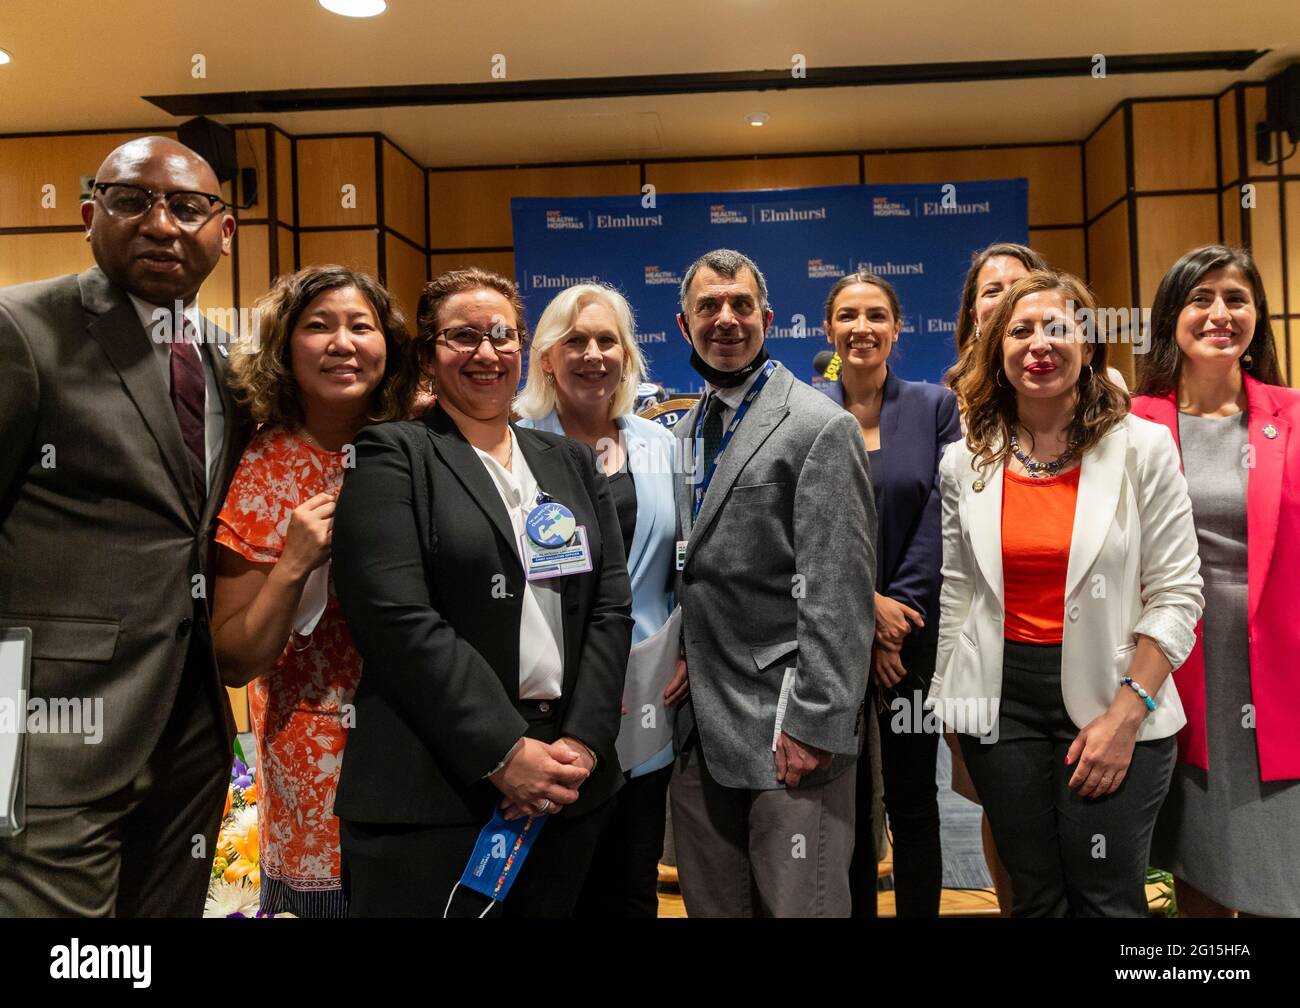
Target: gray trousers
778	853
1068	856
145	851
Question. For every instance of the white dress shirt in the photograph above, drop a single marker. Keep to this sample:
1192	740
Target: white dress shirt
732	397
214	416
541	620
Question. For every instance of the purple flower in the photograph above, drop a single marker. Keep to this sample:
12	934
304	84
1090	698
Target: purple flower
240	770
242	782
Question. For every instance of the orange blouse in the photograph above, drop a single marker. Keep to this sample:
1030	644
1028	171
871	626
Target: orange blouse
1037	526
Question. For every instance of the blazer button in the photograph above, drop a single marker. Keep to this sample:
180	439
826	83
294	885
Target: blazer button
183	627
1073	613
544	707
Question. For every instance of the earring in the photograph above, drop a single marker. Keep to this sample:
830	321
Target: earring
1246	360
977	331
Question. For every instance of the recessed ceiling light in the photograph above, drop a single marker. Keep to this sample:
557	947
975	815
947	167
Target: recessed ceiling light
355	8
4	57
756	118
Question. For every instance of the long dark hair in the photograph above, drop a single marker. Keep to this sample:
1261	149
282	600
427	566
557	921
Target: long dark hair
1159	367
966	312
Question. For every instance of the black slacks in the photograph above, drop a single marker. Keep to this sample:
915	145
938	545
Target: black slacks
410	870
624	876
1068	856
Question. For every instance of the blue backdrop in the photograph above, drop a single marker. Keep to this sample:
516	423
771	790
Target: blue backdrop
919	237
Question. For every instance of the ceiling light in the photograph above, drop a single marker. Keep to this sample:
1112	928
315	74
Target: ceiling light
4	57
355	8
756	118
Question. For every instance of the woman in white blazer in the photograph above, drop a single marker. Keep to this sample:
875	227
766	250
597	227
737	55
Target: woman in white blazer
1071	591
584	367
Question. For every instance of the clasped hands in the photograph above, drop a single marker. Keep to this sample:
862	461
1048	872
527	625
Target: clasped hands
892	619
540	778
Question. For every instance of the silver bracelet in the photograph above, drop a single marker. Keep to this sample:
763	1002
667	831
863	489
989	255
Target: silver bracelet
506	759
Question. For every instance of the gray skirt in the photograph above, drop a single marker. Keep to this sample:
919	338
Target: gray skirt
1233	837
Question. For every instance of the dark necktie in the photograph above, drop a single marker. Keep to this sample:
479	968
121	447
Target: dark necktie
188	392
712	429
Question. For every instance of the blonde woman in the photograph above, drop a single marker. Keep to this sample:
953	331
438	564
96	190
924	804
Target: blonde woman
334	354
583	371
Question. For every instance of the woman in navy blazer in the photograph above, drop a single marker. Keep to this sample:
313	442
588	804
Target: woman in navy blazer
905	427
583	371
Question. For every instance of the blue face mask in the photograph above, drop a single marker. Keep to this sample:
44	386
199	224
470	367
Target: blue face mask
497	858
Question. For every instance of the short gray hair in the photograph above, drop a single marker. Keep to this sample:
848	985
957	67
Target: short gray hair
727	263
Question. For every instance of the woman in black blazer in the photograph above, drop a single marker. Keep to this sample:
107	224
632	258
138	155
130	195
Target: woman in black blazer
481	689
905	428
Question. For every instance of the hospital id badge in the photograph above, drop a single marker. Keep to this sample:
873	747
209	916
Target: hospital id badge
681	554
542	562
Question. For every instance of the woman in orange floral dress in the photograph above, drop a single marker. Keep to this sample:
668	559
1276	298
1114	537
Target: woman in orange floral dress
333	354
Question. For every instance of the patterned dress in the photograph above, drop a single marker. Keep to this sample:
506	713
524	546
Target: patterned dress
298	711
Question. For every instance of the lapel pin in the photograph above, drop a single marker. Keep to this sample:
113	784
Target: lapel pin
1270	431
978	485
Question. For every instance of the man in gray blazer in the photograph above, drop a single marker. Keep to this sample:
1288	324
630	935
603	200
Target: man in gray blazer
776	586
117	442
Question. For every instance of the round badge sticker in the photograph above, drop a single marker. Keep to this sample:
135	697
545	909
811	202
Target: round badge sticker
551	525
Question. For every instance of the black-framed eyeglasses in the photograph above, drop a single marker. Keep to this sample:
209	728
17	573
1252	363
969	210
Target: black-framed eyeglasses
467	339
190	210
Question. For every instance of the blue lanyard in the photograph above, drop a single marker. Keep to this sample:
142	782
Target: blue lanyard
702	487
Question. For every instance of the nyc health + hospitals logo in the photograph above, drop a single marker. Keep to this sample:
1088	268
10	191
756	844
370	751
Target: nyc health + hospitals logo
558	220
720	213
656	274
883	206
820	269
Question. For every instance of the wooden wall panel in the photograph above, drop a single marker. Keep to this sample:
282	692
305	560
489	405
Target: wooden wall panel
218	290
28	257
1266	240
1255	114
405	274
1106	174
1293	249
1173	145
1167	227
250	152
496	262
1230	214
471	209
1063	248
358	250
285	237
1108	254
1054	174
326	165
1286	332
753	173
403	194
283	177
1228	161
254	262
28	163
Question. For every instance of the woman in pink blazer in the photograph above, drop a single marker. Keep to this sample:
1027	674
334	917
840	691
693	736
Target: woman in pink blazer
1229	826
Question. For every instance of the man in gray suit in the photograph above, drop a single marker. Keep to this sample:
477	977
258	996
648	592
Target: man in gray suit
117	442
776	587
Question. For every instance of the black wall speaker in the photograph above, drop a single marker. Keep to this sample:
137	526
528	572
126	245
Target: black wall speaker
1282	102
212	142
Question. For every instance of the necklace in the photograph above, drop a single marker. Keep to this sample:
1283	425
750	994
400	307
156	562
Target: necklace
1036	469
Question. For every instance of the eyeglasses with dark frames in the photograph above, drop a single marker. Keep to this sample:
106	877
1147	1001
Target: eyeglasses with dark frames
467	339
190	210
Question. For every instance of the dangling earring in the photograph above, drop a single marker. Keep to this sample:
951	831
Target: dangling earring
1247	360
977	331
